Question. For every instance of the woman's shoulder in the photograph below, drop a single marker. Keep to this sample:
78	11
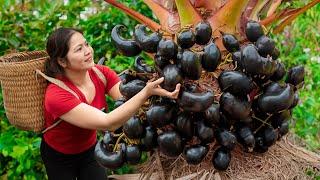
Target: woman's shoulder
104	69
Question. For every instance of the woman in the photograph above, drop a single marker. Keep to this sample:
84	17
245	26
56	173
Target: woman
67	149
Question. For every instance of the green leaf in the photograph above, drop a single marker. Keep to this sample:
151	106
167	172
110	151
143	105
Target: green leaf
18	151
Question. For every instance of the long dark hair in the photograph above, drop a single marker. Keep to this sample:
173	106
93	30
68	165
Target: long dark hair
57	48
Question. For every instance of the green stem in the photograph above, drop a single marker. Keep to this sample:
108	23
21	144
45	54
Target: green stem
187	13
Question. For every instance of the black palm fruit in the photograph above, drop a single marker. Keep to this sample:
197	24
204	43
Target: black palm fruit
230	42
235	82
147	42
131	88
170	143
109	159
212	114
185	125
186	38
126	47
167	48
279	72
195	154
133	154
275	100
160	61
149	140
237	61
203	33
234	107
245	137
275	54
211	57
172	76
159	115
195	102
295	75
191	65
133	128
225	138
265	46
140	66
221	158
253	30
204	132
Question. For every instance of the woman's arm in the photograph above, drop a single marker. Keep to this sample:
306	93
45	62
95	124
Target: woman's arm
114	92
88	117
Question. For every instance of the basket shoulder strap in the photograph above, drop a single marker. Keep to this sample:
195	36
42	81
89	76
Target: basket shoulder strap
57	82
100	75
62	85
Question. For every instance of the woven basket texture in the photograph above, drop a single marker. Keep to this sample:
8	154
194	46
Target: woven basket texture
23	90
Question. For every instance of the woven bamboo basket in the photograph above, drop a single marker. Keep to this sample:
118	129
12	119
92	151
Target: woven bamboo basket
22	90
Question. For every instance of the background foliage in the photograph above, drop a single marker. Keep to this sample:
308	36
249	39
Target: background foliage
25	25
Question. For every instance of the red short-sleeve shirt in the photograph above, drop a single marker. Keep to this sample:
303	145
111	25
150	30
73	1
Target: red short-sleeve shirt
65	137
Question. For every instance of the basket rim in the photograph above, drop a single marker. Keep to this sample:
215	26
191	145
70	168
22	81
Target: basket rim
7	58
22	62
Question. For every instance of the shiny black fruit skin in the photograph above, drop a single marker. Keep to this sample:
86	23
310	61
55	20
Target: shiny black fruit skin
167	48
119	102
185	125
265	46
186	39
279	72
195	102
160	61
205	133
133	128
126	76
253	31
172	76
108	139
140	66
260	146
230	42
148	43
191	65
278	118
195	154
211	57
126	47
212	114
221	159
133	154
272	102
203	33
159	115
131	88
245	137
295	100
149	141
270	136
254	64
108	159
235	82
233	107
237	61
226	138
295	75
170	143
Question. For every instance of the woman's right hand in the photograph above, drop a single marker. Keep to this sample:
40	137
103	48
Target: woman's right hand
153	88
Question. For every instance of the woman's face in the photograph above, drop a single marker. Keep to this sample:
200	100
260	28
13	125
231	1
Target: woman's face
80	54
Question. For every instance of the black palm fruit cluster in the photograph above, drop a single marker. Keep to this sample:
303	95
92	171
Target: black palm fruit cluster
254	108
